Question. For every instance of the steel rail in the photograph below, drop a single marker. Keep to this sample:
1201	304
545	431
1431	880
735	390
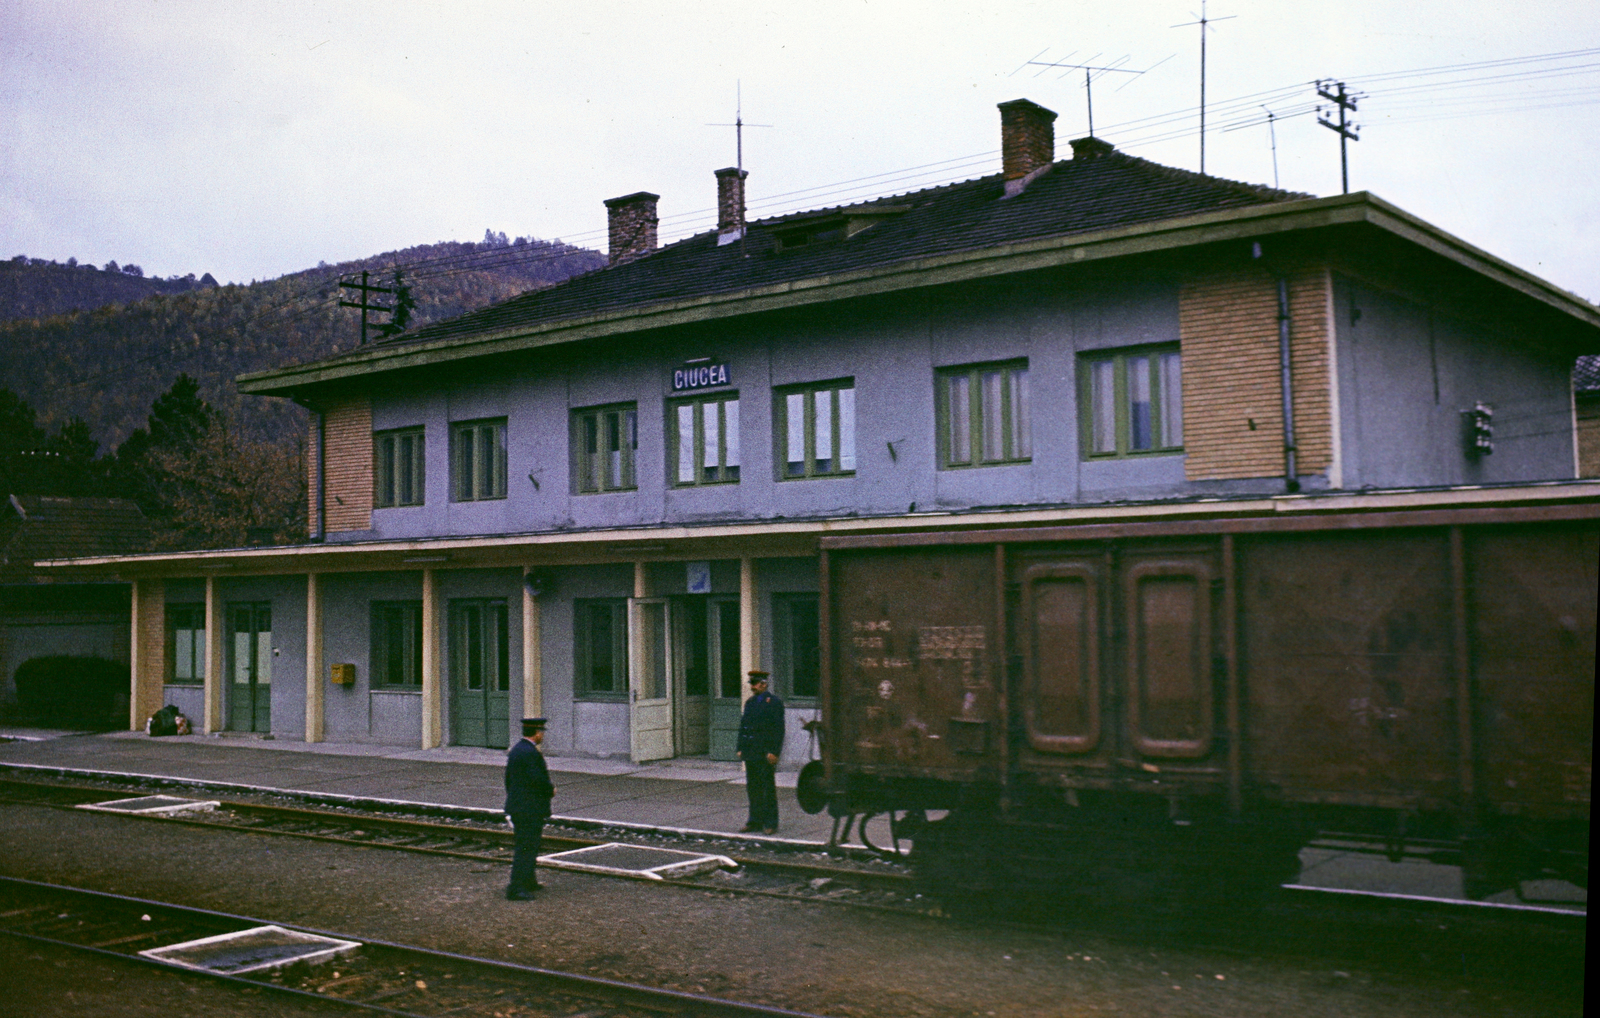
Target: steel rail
608	991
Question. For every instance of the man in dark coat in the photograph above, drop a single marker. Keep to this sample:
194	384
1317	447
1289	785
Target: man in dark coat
760	742
528	793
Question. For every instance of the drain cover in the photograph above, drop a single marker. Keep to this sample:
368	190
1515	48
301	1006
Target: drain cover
151	804
636	861
263	947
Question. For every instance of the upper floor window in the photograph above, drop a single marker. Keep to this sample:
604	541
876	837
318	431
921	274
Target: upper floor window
397	467
817	423
1131	402
396	643
605	443
983	415
478	460
186	629
707	447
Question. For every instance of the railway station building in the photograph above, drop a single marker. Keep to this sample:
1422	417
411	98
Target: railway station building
601	502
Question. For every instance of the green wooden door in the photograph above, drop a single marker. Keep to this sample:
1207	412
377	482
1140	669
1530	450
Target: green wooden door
727	684
250	667
480	673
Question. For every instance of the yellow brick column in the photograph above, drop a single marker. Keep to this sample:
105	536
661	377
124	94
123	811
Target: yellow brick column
532	660
148	653
316	687
215	646
432	692
749	624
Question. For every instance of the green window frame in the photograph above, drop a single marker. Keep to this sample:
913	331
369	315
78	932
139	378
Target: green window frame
605	448
478	460
703	440
398	465
600	648
815	426
984	415
396	644
796	626
186	643
1131	402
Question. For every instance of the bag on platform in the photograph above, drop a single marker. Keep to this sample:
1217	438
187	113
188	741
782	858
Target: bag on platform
164	721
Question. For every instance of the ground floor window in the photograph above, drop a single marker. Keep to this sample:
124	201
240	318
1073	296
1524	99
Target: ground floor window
600	642
186	643
799	646
396	643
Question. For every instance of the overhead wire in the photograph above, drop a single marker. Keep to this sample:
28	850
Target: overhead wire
1134	133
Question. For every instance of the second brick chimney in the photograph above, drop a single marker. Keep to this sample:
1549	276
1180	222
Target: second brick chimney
633	224
730	198
1027	137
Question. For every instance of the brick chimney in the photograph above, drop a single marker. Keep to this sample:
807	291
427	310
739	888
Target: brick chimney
1090	148
730	198
1027	137
633	224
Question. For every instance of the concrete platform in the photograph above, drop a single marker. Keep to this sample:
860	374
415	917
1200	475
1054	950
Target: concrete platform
685	794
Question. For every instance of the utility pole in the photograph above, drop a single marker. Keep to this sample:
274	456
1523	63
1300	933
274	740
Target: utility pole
1272	126
365	288
1203	21
1346	132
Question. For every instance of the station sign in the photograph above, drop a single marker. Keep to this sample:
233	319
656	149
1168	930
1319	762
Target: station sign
700	375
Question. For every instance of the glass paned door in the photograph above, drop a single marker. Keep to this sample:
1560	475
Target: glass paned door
691	681
250	667
649	675
480	673
728	681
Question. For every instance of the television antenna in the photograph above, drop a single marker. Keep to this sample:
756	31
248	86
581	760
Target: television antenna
1091	71
738	126
1203	21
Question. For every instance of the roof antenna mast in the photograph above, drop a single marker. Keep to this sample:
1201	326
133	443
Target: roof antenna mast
1203	21
738	126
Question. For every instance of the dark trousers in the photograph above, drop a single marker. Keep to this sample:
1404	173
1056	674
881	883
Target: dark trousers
529	829
760	785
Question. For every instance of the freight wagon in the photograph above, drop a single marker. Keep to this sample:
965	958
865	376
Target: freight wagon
1185	696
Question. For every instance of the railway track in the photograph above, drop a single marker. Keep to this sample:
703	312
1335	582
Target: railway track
480	841
372	976
873	885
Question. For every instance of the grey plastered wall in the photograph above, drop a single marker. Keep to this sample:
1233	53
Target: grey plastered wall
287	595
592	726
362	712
1406	373
891	346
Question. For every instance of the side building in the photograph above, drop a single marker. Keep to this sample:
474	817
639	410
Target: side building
601	502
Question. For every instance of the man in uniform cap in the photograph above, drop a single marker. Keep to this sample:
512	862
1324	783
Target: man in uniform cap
528	793
760	742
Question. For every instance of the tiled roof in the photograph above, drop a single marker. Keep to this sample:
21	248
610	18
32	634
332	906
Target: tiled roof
49	527
1075	196
1586	374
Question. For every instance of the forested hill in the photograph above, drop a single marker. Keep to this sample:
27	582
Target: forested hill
39	288
107	364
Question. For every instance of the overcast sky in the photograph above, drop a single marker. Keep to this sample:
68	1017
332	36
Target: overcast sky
250	139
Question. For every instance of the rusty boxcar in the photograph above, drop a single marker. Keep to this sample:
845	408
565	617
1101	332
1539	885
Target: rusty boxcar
1198	694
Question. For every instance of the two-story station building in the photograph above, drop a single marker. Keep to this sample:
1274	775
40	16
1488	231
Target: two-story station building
601	501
